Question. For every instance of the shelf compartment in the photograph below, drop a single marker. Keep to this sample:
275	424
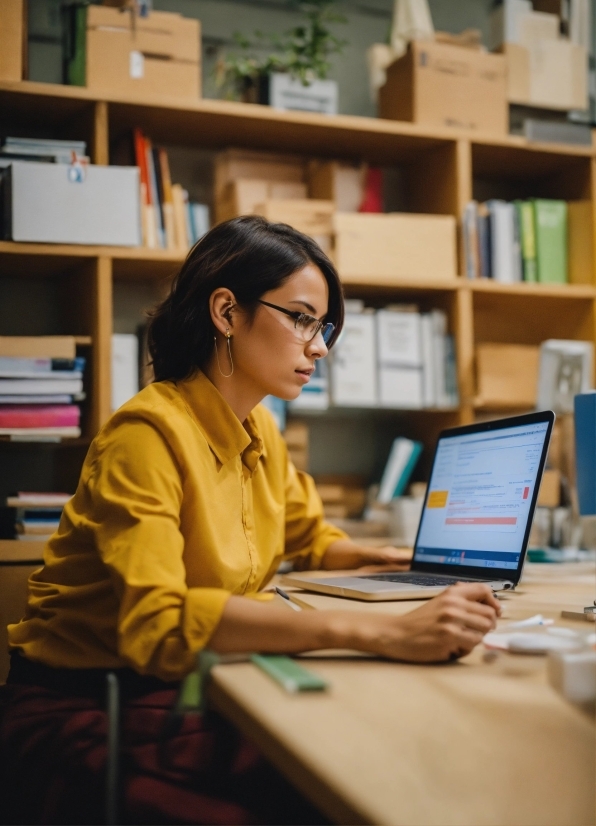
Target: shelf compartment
526	290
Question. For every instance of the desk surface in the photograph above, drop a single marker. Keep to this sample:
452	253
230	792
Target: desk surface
466	743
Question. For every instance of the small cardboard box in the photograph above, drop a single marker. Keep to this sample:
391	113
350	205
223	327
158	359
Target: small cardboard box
143	57
341	183
234	164
12	39
507	375
307	215
382	249
552	74
443	85
242	196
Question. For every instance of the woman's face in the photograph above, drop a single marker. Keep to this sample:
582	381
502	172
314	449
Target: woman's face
267	350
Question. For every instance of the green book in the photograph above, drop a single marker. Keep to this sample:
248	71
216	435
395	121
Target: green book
76	58
550	228
525	216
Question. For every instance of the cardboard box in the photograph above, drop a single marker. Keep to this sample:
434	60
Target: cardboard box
507	375
558	75
233	164
552	74
12	39
65	204
341	183
538	26
154	56
442	85
580	242
307	215
504	22
383	249
242	196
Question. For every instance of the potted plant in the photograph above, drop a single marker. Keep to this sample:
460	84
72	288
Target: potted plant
294	74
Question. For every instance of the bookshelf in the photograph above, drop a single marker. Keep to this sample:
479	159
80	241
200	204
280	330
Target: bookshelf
439	171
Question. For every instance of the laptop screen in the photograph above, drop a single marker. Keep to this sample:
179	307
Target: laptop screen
480	497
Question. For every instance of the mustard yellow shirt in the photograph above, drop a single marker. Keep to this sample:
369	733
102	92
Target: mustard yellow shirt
179	506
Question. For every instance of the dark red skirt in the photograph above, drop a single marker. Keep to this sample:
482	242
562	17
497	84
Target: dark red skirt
190	769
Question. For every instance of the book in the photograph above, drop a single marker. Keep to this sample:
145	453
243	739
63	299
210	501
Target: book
38	346
504	243
37	527
525	211
402	460
148	219
168	201
484	242
125	368
428	359
160	194
45	398
550	227
199	214
153	192
353	365
25	434
62	151
59	368
65	415
40	385
470	239
180	200
48	376
38	500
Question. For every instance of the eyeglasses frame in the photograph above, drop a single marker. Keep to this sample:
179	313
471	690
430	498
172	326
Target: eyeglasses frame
297	315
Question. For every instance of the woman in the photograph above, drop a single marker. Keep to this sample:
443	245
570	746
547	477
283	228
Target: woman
186	505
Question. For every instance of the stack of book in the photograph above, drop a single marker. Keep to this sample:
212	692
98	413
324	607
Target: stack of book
40	379
37	514
169	219
42	150
518	241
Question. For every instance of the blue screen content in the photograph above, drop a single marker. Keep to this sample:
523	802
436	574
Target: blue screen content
479	497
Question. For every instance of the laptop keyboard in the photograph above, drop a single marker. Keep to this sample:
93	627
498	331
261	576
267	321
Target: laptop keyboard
418	579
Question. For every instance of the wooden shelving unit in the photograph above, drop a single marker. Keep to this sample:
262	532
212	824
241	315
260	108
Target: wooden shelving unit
440	171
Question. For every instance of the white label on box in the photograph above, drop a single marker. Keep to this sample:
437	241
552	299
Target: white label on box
137	65
401	387
286	93
353	369
399	338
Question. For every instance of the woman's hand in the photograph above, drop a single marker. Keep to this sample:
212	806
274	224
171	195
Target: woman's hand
344	555
447	627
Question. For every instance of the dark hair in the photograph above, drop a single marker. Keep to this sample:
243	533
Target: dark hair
249	256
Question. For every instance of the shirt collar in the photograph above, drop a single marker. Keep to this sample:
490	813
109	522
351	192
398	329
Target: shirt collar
225	434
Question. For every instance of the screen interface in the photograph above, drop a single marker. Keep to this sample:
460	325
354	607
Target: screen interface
479	497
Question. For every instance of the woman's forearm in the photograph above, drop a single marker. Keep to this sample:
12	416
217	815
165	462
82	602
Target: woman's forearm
247	626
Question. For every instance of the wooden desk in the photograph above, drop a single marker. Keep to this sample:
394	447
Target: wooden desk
466	743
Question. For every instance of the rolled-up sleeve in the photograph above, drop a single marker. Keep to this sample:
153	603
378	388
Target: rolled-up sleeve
135	493
307	534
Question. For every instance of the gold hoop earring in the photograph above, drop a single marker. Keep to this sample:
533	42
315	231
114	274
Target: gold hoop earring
228	337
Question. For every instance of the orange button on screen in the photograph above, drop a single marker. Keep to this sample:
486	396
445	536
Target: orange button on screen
437	499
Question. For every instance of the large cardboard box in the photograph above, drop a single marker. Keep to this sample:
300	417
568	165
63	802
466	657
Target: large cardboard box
12	39
507	375
144	57
443	85
64	204
383	249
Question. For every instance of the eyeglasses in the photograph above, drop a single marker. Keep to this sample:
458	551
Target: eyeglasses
307	326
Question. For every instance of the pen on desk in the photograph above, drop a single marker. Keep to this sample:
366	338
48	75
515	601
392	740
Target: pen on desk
287	597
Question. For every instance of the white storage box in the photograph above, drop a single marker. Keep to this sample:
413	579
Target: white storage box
71	204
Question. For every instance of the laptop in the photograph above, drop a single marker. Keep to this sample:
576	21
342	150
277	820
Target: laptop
476	517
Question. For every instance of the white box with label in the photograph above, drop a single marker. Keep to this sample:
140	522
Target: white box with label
354	363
